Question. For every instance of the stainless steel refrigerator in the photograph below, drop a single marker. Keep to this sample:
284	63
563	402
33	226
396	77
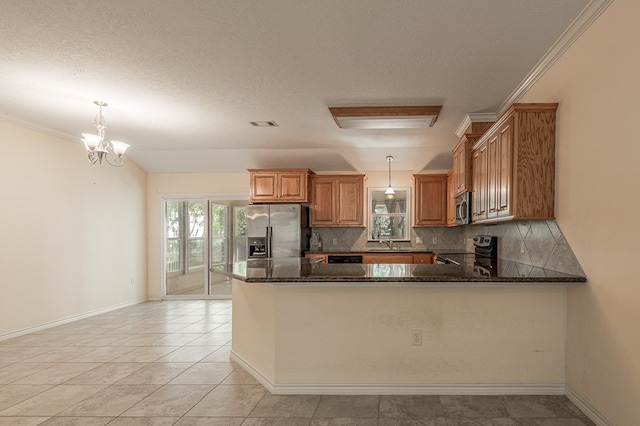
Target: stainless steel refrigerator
277	230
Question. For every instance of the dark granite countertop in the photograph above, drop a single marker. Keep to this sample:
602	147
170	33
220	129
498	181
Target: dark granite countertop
468	272
370	250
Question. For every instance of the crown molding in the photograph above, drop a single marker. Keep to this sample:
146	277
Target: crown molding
38	128
475	117
588	15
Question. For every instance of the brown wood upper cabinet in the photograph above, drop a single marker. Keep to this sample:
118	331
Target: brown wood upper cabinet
337	200
462	163
431	200
451	199
514	166
279	185
479	172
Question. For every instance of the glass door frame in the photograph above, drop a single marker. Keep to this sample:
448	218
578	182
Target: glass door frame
185	246
208	199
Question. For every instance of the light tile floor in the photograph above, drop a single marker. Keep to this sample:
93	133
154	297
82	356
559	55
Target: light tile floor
167	363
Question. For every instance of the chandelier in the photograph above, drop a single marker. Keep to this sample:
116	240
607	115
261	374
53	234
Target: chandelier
98	148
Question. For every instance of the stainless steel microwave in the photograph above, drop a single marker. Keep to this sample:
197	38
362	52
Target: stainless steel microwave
463	208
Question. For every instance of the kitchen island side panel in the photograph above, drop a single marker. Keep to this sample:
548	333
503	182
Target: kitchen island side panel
350	336
253	331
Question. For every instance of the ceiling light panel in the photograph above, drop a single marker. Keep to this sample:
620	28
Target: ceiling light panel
406	122
403	117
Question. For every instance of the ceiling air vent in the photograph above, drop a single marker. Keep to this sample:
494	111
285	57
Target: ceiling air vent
264	123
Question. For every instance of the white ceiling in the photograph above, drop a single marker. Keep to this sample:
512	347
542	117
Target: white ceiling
183	79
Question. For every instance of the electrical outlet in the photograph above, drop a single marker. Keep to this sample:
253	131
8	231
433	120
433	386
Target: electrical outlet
418	240
434	241
335	241
416	337
132	281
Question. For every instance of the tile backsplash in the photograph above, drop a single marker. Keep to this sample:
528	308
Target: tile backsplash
433	239
536	243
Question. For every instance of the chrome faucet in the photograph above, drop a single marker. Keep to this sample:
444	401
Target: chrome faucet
387	242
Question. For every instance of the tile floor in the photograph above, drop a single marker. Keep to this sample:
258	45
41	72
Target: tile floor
167	363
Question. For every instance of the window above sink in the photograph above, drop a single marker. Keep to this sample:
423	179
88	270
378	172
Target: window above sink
389	215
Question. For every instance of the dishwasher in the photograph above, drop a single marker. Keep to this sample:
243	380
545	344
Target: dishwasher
344	258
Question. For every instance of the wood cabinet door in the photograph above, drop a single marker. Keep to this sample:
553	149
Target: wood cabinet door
323	257
456	170
480	183
349	201
451	198
460	169
431	200
322	208
264	187
292	187
518	176
493	175
370	258
279	185
503	191
337	200
477	181
424	258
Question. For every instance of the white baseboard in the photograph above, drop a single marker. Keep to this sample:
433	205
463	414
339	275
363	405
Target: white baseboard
39	327
585	407
401	388
252	371
424	389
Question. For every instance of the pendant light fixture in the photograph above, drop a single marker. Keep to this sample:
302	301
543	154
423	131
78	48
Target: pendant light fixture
390	191
98	148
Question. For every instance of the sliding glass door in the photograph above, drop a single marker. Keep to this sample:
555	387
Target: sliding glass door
220	285
186	229
203	241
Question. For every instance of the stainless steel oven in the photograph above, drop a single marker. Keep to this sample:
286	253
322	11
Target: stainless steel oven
463	208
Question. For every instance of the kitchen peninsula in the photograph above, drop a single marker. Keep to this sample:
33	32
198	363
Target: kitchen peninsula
303	327
305	271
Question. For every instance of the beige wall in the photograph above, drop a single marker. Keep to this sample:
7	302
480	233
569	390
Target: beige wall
470	335
254	326
597	84
357	336
73	235
190	185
